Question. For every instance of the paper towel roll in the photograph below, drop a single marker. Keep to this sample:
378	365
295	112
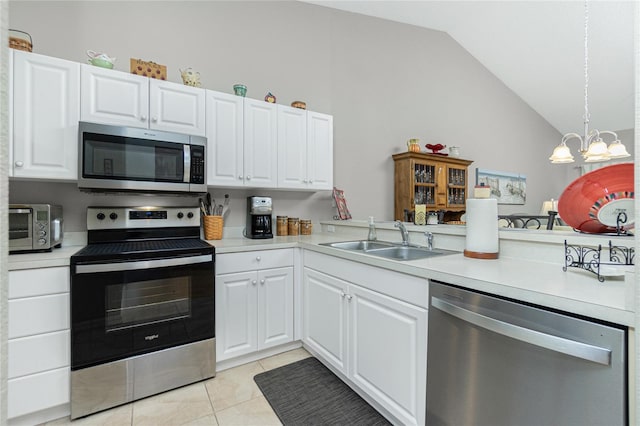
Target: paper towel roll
482	228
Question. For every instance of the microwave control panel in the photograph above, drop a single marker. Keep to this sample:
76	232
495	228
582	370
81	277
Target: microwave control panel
197	164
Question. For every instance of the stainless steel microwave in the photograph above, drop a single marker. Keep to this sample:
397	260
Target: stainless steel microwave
34	227
114	158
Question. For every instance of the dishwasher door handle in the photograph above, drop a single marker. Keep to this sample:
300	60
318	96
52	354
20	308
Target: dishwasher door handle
537	338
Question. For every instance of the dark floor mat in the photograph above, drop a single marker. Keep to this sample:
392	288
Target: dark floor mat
308	393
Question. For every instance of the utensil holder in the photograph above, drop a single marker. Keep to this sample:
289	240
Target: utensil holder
212	227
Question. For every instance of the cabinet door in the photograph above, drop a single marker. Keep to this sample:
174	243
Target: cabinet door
320	150
176	108
46	110
292	147
324	326
260	144
456	186
113	97
35	392
275	307
236	314
225	135
441	185
394	377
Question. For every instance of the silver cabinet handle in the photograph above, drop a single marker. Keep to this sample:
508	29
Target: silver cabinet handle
349	297
154	119
261	281
248	177
143	118
544	340
254	282
342	294
258	258
19	164
240	177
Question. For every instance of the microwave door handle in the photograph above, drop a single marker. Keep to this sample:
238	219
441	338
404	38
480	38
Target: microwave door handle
187	164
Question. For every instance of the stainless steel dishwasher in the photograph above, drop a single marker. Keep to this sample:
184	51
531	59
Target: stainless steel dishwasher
496	362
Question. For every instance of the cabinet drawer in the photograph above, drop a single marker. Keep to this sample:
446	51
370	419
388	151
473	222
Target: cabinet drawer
37	315
35	354
228	263
38	392
38	282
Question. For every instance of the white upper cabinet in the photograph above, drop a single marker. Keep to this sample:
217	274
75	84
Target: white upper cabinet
320	150
176	107
292	148
118	98
305	149
242	141
260	144
46	110
225	139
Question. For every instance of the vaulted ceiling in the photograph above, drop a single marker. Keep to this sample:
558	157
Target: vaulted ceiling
537	49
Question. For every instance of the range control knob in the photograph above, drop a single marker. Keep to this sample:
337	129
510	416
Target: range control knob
180	215
113	216
42	233
190	215
42	241
100	216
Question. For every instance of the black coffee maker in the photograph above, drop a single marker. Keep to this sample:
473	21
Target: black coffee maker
259	211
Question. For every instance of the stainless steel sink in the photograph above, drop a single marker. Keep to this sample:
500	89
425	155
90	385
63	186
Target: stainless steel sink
359	245
408	252
389	250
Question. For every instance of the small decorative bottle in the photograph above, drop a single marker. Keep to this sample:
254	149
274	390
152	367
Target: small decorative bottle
372	230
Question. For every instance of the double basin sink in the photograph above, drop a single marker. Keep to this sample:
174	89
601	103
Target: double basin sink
389	250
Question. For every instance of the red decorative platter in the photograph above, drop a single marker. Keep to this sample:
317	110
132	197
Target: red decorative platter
593	202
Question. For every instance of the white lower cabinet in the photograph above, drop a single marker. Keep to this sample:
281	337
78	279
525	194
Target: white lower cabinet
378	341
39	342
254	308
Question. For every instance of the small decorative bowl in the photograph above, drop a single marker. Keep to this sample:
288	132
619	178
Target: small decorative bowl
240	89
103	63
299	104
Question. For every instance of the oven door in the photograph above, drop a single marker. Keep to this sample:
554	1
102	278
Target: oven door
121	309
20	229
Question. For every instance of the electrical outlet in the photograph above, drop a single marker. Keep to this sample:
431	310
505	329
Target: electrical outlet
331	228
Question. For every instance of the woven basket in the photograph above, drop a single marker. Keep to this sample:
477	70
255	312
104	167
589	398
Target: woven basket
213	227
18	42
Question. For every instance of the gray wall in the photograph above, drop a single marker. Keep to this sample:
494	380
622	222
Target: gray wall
383	82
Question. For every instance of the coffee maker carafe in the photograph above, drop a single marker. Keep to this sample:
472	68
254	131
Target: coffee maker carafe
259	211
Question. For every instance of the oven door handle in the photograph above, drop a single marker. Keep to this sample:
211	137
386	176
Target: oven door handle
142	264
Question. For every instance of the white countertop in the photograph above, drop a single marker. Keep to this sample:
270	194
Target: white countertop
544	284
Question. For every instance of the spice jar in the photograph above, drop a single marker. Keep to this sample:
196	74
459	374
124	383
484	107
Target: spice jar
305	227
281	225
293	226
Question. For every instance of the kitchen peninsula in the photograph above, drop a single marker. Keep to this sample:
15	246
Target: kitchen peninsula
529	270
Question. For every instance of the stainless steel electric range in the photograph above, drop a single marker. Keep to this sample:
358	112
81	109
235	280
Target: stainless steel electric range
142	306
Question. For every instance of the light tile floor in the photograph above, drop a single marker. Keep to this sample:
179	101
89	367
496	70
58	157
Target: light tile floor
230	398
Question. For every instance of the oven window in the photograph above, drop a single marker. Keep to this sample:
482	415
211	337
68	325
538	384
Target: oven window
19	225
110	157
139	303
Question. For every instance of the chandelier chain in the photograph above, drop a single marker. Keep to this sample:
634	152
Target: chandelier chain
586	63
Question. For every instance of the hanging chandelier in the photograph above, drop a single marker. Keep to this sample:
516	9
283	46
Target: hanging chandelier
592	146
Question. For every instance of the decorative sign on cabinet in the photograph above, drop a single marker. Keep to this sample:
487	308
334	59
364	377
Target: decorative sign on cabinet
438	181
